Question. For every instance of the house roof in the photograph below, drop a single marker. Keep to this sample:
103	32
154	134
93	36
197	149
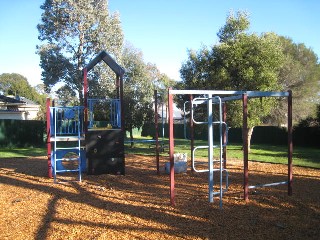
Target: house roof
6	99
16	100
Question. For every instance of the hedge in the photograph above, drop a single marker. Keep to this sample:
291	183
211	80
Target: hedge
302	136
21	133
30	133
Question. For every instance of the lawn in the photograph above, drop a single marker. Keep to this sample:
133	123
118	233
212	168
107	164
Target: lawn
302	156
22	152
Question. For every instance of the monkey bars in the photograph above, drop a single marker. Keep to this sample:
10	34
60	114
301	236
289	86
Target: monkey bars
226	96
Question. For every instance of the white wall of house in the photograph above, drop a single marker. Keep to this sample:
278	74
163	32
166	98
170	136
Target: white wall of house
16	115
27	112
30	111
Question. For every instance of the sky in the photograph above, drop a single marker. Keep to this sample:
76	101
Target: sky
164	30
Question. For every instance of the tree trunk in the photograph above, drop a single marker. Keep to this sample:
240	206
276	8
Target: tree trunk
131	137
250	132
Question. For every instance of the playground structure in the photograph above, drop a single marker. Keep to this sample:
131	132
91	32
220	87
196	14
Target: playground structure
220	98
77	141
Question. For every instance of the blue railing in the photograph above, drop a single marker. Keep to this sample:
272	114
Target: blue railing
66	120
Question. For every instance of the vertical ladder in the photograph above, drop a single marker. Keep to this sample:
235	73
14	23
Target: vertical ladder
211	162
67	124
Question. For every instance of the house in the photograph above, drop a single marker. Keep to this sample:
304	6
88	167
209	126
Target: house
18	108
178	114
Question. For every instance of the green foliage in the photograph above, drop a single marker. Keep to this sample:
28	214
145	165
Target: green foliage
234	26
140	81
16	84
241	61
300	73
138	89
67	96
73	32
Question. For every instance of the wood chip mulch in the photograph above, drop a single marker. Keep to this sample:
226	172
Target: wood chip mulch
137	205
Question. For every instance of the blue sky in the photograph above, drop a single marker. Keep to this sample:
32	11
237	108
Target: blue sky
163	30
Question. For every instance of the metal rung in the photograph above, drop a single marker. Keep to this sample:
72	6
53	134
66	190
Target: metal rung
68	170
268	185
218	169
68	159
69	148
66	138
218	192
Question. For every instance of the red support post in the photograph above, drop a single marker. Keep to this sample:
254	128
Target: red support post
171	148
290	144
156	128
191	133
224	119
49	138
245	146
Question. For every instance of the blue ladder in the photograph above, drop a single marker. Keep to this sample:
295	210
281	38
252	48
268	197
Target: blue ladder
67	126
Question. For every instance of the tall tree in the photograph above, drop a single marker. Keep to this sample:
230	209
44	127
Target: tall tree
138	90
141	79
73	32
300	73
241	61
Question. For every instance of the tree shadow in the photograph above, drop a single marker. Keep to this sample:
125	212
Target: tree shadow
141	194
24	173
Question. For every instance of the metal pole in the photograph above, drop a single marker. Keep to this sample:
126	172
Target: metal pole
171	148
49	137
156	129
191	133
245	145
290	144
210	146
224	119
221	150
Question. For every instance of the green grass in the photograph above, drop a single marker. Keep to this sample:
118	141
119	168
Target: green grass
22	152
302	156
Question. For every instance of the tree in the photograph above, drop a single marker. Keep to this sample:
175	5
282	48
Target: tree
73	32
300	73
138	90
67	96
140	81
17	85
241	61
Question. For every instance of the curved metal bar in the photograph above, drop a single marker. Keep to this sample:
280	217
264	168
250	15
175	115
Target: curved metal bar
193	157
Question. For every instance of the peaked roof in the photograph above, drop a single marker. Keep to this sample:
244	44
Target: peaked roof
104	56
10	99
16	100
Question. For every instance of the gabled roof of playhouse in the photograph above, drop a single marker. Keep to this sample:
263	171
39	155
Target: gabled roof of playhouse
104	56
